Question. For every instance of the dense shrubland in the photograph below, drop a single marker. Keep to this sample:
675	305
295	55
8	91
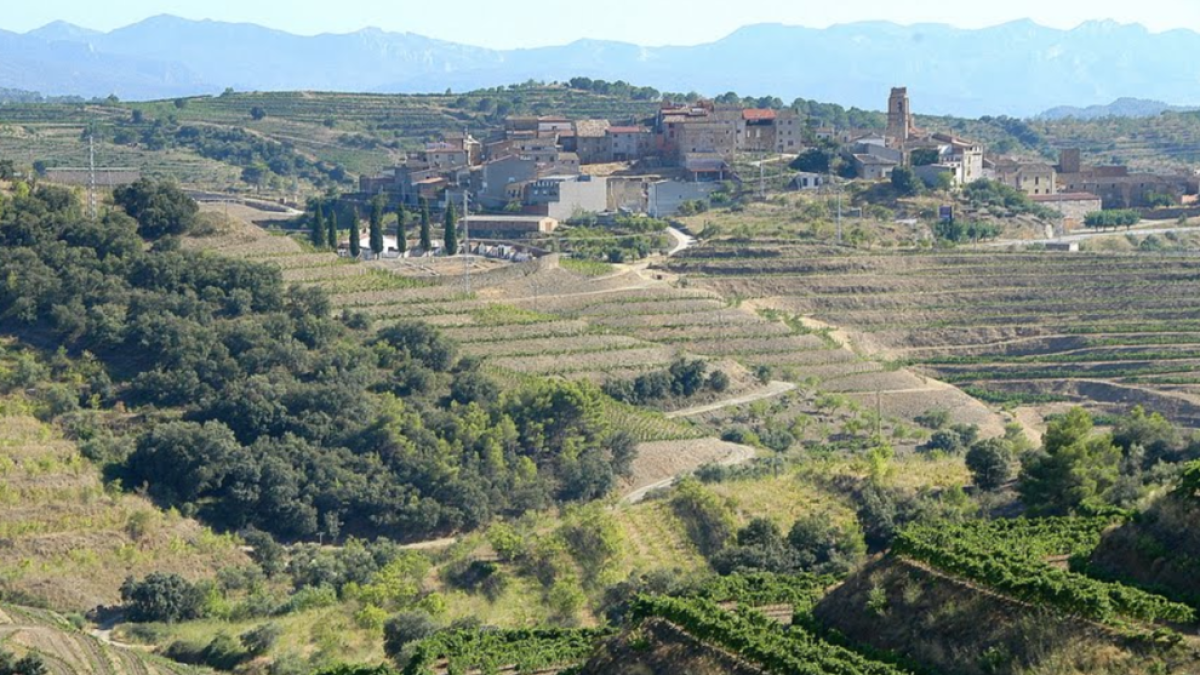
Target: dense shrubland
288	419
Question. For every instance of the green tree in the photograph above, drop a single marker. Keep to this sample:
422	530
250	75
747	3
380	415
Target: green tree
451	230
1074	470
332	234
401	229
426	237
355	244
317	227
814	160
257	113
160	208
376	226
905	181
990	463
404	629
944	182
924	156
825	547
166	598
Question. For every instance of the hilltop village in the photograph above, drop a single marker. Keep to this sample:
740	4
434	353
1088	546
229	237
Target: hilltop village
540	171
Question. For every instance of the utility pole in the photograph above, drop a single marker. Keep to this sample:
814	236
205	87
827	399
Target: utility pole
839	213
91	177
878	415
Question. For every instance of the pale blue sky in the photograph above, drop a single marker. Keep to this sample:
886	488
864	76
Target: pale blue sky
499	23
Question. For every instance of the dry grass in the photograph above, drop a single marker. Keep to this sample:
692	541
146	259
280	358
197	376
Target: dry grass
71	540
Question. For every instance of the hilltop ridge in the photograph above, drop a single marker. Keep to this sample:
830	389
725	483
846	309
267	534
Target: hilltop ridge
959	71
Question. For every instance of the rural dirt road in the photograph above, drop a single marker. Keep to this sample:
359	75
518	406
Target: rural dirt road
772	390
1140	229
682	242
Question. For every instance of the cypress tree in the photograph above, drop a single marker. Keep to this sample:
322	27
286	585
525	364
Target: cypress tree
426	240
332	234
451	233
376	232
401	229
355	244
317	227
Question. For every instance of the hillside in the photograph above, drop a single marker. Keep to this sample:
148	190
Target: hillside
66	650
70	539
1123	107
1008	327
783	447
952	626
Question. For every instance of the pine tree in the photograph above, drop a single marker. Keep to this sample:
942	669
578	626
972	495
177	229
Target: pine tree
332	234
451	234
401	229
355	244
317	225
426	239
376	231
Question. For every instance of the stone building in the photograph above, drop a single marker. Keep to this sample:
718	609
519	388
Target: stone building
591	141
629	143
900	127
1120	188
1033	178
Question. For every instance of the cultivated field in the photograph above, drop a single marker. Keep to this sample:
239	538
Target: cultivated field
1010	328
68	651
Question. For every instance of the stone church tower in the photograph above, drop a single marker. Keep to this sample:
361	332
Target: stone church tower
900	121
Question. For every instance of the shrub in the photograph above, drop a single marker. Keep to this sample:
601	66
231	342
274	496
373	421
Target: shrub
406	628
166	598
707	518
824	547
990	463
935	418
160	208
1113	218
30	664
260	640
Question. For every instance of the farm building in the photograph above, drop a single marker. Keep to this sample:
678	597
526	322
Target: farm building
510	226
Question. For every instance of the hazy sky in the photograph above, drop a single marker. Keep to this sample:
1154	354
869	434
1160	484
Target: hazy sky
496	23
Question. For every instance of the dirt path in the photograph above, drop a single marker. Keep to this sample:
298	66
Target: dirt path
1139	229
770	391
431	545
682	242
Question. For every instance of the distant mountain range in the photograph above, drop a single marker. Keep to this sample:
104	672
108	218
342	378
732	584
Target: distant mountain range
1016	69
1122	107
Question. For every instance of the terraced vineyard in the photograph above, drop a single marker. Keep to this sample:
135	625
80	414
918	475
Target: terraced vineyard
68	651
1112	328
758	639
72	540
497	321
362	133
55	138
1013	558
